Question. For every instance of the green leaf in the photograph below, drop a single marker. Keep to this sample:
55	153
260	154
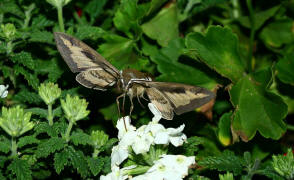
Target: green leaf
51	67
60	160
95	165
219	49
227	176
78	161
284	69
278	33
39	111
227	161
224	129
252	101
192	145
164	26
284	165
259	17
41	37
94	8
80	138
26	140
32	79
25	59
110	112
8	6
21	169
26	96
40	22
120	52
89	32
44	127
50	146
173	71
5	145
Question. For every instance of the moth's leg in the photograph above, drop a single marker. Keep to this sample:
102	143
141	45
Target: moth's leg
132	106
117	103
140	102
118	108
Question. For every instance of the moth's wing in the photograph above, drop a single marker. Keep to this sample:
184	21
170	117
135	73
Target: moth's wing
161	102
79	56
183	98
96	79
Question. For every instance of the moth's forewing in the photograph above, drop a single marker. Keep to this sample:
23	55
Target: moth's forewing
95	71
96	79
161	102
183	98
79	56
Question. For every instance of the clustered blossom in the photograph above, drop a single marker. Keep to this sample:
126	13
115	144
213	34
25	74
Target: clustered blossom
139	141
3	91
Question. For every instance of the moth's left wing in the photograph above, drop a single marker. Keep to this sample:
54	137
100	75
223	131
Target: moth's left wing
183	98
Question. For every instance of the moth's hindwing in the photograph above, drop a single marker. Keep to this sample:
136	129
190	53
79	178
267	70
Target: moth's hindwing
81	58
182	98
161	102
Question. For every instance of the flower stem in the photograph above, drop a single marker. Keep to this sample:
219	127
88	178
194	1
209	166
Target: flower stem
95	153
50	115
138	170
68	131
252	34
290	127
13	148
60	18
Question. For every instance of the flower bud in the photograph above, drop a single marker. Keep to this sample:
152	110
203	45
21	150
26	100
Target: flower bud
49	92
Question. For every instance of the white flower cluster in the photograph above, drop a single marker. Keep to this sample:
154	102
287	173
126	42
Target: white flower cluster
172	167
3	91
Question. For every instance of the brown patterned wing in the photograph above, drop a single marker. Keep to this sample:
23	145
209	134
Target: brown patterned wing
182	98
95	71
161	102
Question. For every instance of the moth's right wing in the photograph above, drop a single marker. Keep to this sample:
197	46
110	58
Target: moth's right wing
94	71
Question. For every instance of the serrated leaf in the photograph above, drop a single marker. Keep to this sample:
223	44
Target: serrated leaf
95	164
219	49
51	68
21	169
78	161
259	17
89	32
60	160
224	129
25	59
41	22
32	79
5	145
284	69
41	37
94	8
50	146
80	138
227	161
26	140
278	33
44	127
39	111
8	6
252	101
173	71
26	96
164	26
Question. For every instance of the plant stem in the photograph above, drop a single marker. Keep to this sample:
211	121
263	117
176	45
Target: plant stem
252	34
95	153
138	170
13	148
60	18
68	131
290	127
50	115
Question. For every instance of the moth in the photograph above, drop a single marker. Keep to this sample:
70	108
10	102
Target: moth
97	73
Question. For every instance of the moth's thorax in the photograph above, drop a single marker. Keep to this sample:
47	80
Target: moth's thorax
128	76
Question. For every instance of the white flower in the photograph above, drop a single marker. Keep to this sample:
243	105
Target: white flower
3	91
117	174
155	111
124	125
172	135
172	167
142	141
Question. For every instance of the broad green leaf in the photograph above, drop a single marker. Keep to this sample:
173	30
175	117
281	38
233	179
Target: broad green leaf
41	37
154	5
25	59
95	164
278	33
80	138
164	26
284	69
172	70
224	129
50	146
110	112
259	17
219	49
120	52
21	169
256	108
78	161
26	140
60	160
89	32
